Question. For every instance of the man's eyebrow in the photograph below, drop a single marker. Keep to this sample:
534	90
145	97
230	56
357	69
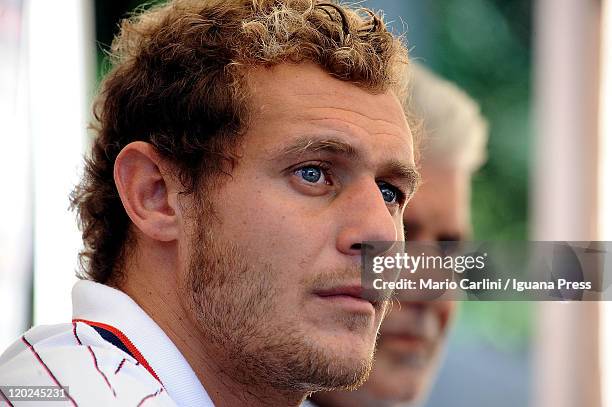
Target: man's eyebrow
393	168
408	174
305	145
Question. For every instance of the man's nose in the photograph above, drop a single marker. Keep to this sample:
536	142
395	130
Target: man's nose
366	218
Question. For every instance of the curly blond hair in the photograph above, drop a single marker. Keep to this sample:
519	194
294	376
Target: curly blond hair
178	82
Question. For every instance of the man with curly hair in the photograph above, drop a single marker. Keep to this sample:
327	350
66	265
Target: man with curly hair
245	150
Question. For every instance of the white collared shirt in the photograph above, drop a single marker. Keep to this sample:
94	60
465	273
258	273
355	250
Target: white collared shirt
150	371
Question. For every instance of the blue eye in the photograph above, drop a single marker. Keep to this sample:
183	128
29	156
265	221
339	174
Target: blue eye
310	174
390	194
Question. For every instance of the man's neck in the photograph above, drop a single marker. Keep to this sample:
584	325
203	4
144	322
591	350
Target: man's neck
162	304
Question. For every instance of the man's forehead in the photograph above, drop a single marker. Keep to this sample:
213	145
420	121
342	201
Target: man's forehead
306	90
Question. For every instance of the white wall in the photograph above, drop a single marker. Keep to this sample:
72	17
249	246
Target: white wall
564	192
15	167
61	61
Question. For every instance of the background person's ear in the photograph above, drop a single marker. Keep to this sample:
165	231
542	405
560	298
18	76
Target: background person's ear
147	191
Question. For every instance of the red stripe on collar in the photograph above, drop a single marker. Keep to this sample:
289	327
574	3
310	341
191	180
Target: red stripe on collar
126	342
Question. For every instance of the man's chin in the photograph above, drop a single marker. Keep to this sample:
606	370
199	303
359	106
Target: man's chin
344	374
344	361
353	346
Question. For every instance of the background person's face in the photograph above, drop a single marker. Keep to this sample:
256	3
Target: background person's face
275	273
412	335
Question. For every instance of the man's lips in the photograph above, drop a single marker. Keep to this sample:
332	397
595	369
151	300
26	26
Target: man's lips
348	290
349	296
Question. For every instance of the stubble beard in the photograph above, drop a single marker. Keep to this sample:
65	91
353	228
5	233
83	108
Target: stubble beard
233	303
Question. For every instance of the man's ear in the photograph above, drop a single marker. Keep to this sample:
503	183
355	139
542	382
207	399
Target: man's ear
147	191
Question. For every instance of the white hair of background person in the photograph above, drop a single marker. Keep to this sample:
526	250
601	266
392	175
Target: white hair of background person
455	131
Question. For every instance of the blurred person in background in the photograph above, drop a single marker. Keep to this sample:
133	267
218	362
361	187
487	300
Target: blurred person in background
244	151
413	334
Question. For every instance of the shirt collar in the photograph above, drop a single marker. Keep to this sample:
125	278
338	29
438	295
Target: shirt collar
100	303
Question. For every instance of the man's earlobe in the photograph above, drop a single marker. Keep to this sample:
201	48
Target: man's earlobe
146	189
